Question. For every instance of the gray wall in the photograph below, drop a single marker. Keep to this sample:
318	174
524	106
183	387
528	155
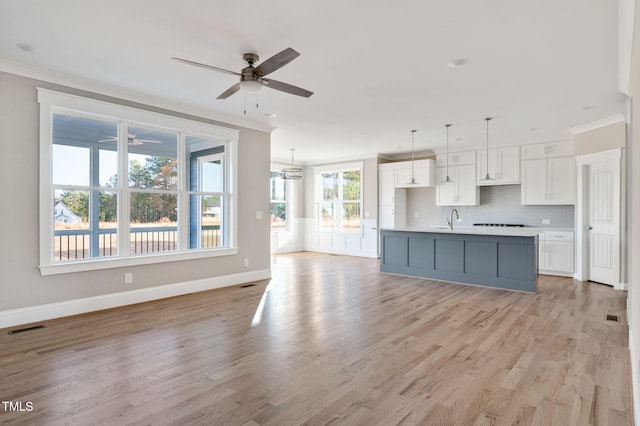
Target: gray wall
498	204
21	284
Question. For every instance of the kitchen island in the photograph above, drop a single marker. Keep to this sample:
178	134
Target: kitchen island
501	258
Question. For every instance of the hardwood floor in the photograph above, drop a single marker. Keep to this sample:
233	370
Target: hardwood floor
330	340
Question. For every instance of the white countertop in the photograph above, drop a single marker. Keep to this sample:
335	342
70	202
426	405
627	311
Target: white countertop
479	230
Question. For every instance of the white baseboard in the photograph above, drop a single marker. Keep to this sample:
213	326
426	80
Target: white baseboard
622	286
31	314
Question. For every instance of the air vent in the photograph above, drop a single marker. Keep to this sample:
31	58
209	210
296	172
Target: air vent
22	330
615	318
247	285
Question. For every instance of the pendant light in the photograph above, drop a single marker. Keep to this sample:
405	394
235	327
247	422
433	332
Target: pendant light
487	176
413	179
292	172
447	179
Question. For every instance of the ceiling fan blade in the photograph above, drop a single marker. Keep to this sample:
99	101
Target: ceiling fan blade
276	61
230	91
205	66
146	141
285	87
109	139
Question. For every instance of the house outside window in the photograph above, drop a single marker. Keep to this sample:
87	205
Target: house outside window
278	206
339	197
128	184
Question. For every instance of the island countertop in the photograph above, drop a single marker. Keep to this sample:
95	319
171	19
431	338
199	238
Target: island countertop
480	230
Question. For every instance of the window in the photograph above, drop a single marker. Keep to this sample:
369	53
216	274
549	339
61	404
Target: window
129	186
339	198
278	209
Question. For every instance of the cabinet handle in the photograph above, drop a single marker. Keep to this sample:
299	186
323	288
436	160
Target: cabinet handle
588	228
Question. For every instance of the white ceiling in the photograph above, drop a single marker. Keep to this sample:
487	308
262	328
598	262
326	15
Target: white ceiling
378	68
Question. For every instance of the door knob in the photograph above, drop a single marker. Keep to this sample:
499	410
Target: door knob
588	228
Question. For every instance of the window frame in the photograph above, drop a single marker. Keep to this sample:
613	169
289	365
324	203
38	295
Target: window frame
57	102
275	168
318	195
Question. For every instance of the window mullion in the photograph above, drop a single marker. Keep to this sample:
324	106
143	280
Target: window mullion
184	198
124	195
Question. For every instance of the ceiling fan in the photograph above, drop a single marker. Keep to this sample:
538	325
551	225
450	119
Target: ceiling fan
252	78
131	138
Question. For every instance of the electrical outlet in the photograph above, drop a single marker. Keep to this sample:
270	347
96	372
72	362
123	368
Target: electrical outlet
128	277
546	222
246	261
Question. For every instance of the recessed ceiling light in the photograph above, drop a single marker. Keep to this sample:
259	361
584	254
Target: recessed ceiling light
533	129
30	48
270	114
588	107
457	63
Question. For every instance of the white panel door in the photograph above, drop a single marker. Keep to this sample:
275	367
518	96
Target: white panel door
603	224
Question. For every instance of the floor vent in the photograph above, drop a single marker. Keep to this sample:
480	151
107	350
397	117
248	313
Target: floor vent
247	285
613	317
22	330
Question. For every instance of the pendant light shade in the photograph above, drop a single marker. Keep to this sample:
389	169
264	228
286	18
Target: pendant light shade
292	172
487	176
413	178
447	179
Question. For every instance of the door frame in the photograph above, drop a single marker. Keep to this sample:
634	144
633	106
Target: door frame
582	213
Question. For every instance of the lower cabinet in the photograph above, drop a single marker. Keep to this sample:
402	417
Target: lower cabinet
556	253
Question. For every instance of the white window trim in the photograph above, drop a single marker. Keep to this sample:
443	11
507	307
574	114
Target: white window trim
277	167
339	167
56	101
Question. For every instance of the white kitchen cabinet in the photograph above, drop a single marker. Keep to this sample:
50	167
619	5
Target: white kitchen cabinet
556	253
548	174
547	150
423	173
462	191
503	166
386	186
456	159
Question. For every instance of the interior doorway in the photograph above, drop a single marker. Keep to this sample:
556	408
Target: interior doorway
598	217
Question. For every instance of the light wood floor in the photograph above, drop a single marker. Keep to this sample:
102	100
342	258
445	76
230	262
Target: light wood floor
330	340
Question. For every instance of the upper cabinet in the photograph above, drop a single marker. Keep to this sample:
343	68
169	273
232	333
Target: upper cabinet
548	173
462	190
503	166
423	173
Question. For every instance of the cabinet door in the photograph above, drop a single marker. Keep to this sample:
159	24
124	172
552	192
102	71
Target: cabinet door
559	256
560	149
542	252
386	187
561	180
508	165
386	217
530	152
482	164
403	177
446	192
466	186
534	182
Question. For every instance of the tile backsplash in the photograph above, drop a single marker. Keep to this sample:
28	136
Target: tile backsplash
498	204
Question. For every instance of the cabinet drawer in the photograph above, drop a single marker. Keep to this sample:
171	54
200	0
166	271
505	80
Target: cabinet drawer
558	236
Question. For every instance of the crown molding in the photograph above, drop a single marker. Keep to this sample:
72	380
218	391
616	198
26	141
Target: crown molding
607	121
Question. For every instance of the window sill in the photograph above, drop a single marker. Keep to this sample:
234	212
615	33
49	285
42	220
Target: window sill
98	264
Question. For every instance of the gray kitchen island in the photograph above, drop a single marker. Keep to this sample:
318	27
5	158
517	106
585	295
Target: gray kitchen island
500	258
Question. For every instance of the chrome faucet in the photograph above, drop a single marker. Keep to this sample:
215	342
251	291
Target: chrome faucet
450	218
